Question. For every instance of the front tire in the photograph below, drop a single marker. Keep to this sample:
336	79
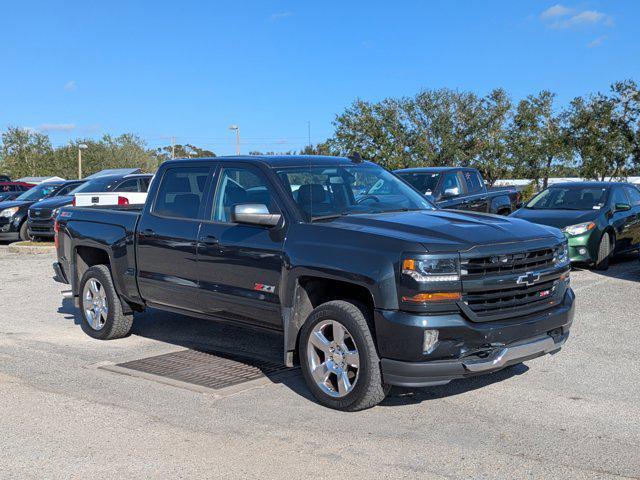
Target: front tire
24	232
338	357
100	307
604	252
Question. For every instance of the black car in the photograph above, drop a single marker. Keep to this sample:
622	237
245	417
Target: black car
42	214
366	291
13	214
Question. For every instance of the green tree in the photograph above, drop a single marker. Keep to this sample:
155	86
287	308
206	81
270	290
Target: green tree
598	133
25	153
537	139
181	151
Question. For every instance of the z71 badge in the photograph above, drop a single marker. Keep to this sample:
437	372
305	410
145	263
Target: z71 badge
261	287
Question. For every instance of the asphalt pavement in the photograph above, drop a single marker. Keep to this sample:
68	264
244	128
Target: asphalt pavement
569	416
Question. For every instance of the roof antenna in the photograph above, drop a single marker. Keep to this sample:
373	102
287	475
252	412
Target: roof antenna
355	157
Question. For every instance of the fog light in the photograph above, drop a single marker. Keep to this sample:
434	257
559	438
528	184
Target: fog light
430	341
582	251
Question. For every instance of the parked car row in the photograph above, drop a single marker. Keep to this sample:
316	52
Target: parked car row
31	213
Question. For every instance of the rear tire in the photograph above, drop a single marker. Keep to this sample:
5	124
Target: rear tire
335	338
604	252
100	307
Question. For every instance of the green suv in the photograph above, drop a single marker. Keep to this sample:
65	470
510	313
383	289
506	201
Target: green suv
600	219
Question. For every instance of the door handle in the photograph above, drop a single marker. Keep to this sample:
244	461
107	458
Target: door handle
209	240
147	232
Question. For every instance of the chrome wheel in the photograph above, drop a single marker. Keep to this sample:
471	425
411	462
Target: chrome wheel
333	358
95	303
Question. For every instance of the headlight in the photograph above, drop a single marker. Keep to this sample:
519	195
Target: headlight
562	255
54	214
9	212
432	268
579	229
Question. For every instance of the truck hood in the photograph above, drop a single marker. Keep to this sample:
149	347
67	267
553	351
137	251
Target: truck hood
556	218
447	230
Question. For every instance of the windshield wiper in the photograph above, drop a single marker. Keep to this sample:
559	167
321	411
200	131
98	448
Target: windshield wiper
328	217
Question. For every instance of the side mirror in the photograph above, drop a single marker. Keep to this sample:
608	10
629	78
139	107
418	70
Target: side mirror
255	214
451	192
621	207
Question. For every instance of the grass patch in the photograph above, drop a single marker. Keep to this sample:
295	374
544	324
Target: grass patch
34	244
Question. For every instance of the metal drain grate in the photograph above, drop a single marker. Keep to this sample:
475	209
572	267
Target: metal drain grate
215	370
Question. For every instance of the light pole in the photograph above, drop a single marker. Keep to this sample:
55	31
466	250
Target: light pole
237	129
81	147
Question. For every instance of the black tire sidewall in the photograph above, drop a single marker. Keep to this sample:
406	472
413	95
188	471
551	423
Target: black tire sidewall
363	342
24	232
107	284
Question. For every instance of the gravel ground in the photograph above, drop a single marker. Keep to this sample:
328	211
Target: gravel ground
574	415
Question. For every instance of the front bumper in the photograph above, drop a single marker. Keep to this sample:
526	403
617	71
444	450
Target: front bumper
466	348
9	228
584	248
40	228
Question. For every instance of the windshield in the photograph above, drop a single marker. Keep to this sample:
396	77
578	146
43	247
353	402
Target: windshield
424	182
324	192
569	198
38	193
100	184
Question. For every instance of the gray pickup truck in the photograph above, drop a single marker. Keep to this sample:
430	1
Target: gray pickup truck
367	282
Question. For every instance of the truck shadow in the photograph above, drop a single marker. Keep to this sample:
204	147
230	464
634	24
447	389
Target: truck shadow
243	343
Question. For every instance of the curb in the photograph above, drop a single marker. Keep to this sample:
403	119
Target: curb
30	250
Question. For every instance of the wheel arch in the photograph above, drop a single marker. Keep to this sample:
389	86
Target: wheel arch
312	290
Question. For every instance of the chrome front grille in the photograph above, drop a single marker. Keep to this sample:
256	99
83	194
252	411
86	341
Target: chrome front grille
499	264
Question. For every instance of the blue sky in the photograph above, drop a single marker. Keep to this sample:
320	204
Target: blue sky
190	69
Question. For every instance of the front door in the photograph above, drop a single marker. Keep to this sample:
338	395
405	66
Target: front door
167	239
634	213
240	265
623	221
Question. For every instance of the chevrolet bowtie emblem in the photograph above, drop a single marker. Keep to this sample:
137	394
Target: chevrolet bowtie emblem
528	278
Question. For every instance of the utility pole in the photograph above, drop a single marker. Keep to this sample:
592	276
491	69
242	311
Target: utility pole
237	129
81	147
309	132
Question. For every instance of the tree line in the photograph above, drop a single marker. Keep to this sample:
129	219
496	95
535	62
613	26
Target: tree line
596	136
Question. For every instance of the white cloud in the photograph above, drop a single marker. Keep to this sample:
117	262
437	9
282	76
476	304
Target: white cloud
597	42
70	86
561	18
280	15
555	12
55	127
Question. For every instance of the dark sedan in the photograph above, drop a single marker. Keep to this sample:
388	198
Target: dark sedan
600	219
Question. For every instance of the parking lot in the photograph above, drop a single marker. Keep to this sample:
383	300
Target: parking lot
572	415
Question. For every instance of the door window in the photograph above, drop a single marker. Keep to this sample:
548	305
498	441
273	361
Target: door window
472	179
634	195
180	192
67	189
239	186
618	196
451	182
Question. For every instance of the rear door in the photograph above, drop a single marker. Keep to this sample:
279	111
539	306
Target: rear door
240	265
168	236
477	197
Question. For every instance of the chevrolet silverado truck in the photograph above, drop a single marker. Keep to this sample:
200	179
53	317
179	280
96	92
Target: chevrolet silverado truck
369	284
459	188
